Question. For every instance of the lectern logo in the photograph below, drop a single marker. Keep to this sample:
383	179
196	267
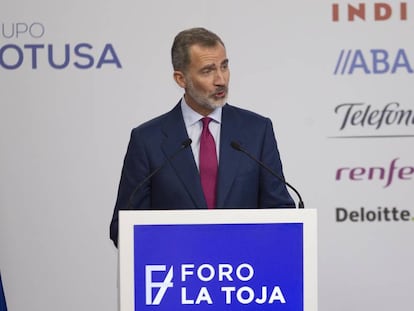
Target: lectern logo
161	286
184	274
158	279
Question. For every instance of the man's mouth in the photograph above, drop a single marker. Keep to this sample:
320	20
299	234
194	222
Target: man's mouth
220	93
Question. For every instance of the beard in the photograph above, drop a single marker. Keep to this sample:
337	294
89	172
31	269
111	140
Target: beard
209	101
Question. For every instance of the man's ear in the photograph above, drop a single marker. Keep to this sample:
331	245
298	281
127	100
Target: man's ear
180	79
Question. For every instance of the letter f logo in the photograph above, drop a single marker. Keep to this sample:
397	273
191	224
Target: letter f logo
163	286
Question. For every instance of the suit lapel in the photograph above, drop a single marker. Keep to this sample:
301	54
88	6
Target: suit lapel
183	164
231	130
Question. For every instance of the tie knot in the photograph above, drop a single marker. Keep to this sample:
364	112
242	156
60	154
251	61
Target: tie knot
206	122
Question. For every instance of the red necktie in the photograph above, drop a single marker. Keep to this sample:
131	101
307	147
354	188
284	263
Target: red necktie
208	164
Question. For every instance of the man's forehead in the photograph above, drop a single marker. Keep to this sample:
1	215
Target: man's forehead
216	53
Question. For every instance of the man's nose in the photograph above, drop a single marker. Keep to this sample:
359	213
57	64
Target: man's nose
219	78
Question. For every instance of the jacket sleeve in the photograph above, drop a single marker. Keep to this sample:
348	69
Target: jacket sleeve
273	192
135	168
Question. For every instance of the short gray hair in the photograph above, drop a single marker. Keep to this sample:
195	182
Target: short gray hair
180	50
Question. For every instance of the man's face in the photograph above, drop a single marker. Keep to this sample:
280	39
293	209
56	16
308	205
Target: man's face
207	78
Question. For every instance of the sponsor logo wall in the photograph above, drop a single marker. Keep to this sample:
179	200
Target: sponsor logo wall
335	77
370	136
376	123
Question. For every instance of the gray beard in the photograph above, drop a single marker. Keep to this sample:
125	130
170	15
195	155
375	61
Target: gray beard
205	101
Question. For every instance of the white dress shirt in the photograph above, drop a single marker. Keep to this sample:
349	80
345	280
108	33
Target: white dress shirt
194	127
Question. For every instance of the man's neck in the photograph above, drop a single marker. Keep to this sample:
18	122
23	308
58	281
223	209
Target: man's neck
204	111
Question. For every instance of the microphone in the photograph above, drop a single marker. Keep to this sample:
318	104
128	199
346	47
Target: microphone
237	146
183	146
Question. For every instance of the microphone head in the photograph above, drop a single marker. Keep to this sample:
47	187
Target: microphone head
186	143
236	145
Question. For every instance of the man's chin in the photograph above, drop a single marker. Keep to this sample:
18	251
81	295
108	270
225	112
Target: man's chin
217	103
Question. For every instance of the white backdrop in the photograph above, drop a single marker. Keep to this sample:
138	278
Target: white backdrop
64	132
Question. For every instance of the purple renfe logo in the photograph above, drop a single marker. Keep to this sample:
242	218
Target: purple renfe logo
388	174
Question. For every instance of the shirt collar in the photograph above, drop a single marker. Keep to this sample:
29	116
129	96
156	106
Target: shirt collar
191	117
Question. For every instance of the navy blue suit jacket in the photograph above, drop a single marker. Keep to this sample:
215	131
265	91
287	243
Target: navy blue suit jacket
241	181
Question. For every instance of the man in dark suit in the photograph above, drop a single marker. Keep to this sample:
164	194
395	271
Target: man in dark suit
210	173
3	306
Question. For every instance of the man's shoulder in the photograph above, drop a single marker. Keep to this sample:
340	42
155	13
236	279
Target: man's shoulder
158	122
245	114
154	122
